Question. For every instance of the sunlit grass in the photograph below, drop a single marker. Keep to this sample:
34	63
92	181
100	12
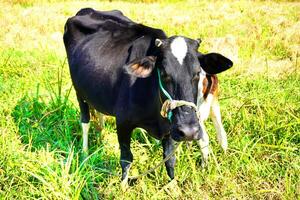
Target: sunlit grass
40	141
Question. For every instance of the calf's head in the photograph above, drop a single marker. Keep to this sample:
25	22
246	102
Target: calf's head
179	62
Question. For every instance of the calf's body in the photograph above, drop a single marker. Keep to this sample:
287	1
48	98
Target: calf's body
208	106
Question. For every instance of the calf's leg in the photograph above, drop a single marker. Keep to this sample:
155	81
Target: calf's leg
204	107
204	145
216	118
168	148
85	122
97	118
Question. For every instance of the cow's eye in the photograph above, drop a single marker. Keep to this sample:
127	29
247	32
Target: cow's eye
196	78
167	78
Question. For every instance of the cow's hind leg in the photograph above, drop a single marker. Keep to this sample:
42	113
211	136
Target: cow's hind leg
124	137
85	122
216	118
168	148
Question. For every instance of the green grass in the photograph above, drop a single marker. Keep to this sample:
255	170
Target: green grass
40	134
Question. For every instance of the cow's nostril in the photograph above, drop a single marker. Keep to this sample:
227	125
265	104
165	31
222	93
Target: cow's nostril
189	132
181	133
196	129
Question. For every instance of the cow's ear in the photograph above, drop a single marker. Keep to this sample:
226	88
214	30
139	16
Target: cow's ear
141	68
214	63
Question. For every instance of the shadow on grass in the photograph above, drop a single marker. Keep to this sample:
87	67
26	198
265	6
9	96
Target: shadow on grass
47	125
54	125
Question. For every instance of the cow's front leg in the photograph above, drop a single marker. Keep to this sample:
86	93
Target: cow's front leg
168	148
124	136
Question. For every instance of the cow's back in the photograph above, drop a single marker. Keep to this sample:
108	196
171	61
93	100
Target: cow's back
88	21
98	45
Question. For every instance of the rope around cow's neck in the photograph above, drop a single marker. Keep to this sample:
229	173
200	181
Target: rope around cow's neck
170	104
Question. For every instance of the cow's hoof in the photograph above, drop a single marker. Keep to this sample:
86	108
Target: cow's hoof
205	156
124	184
173	189
85	153
204	163
224	147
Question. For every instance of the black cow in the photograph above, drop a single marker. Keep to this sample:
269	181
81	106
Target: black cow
114	66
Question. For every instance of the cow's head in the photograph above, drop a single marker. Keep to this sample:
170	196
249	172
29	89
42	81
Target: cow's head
179	63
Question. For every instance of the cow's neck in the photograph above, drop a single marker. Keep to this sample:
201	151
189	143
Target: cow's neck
153	122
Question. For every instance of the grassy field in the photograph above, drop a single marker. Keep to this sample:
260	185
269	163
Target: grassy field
40	142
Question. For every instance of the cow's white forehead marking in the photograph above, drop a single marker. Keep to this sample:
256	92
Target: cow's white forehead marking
179	49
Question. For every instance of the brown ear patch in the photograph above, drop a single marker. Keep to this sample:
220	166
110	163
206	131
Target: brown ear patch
140	71
142	68
134	67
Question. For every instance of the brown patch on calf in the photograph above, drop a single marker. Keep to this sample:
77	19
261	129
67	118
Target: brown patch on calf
210	85
97	119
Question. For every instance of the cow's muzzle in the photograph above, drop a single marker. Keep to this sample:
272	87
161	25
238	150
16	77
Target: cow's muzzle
186	133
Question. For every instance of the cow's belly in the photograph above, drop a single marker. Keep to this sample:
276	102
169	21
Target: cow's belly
99	90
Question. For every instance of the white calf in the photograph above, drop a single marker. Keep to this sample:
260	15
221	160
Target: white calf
208	105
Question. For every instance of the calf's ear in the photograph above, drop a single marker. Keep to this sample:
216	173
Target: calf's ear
142	67
214	63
